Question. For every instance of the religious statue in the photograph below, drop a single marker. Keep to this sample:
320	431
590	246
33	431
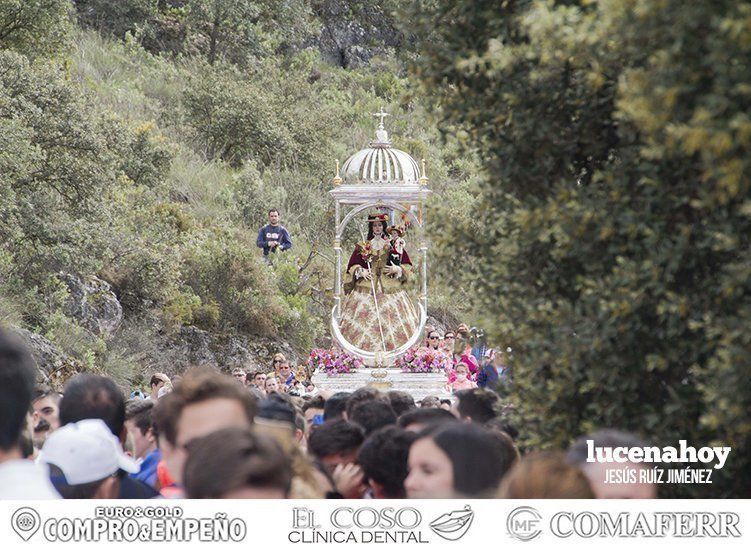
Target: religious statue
378	314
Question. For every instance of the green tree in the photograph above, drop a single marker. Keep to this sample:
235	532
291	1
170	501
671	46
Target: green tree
609	240
118	18
34	27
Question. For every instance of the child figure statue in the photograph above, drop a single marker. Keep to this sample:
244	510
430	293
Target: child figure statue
397	244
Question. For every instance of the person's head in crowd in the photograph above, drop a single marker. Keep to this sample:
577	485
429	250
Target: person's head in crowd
17	381
84	458
277	360
476	405
401	402
272	385
336	443
431	401
309	386
277	409
545	475
445	404
419	418
335	406
383	458
259	380
46	405
157	382
239	374
433	340
362	395
237	463
285	370
455	460
87	396
449	340
596	472
502	423
312	411
462	344
204	402
140	427
371	415
462	372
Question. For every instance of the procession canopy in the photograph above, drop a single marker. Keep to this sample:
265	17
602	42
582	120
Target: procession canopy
380	172
374	316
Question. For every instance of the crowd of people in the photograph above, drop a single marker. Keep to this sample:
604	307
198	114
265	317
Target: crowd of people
256	435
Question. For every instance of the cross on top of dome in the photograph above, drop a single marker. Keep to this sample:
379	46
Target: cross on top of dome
382	137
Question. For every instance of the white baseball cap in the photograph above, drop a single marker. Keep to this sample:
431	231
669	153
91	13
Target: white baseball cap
86	451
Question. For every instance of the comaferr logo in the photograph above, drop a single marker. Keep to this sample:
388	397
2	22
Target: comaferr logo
526	523
454	525
640	524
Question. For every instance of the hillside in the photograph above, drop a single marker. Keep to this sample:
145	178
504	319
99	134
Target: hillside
135	177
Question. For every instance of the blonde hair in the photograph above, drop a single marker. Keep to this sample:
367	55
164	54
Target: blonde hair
545	475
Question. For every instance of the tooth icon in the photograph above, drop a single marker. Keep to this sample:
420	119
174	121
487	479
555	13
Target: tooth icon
454	525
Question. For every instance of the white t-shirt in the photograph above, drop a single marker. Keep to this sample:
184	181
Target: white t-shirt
23	479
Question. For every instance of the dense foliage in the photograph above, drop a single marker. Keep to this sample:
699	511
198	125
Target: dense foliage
609	242
145	146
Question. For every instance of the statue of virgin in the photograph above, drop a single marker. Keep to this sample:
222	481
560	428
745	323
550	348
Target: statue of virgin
377	312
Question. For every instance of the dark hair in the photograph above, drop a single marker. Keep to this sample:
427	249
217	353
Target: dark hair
425	416
232	458
256	373
370	228
383	458
68	491
199	384
139	411
503	424
477	456
338	436
87	396
314	402
401	402
272	210
361	395
276	408
334	406
431	401
43	392
17	379
477	404
609	438
371	415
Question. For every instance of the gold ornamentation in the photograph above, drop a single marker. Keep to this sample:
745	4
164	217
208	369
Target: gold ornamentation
337	178
424	177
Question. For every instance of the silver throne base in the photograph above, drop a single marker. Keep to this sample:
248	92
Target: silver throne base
419	385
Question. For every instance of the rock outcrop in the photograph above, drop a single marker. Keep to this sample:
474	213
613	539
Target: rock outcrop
93	304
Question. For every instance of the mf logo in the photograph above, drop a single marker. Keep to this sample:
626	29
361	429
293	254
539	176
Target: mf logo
523	523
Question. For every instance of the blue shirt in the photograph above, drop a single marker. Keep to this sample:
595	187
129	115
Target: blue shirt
270	233
147	472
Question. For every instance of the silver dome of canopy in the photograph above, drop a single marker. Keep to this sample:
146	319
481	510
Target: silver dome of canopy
380	163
